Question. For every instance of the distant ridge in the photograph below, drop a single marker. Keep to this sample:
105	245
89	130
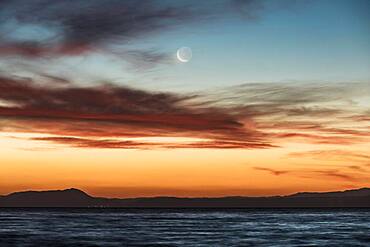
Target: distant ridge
356	192
77	198
53	198
69	192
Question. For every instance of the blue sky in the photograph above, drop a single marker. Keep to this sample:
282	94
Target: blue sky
284	41
316	40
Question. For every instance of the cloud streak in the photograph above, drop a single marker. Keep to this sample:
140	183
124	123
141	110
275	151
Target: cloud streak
314	174
79	26
333	155
320	113
73	28
257	118
272	171
112	111
336	174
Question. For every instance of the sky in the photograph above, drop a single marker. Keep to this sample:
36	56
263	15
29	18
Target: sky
274	100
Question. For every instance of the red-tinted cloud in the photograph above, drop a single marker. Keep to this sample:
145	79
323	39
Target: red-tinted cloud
319	113
109	111
114	144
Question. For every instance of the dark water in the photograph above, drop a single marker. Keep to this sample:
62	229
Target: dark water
155	227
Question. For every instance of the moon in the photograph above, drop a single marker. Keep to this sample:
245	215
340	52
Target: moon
184	54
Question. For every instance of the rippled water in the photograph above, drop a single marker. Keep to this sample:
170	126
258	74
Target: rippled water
160	227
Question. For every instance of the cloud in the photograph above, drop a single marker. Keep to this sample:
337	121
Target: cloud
105	113
320	138
317	174
112	111
356	161
41	28
335	154
92	143
141	60
336	174
272	171
38	32
295	98
320	113
79	25
249	9
357	168
129	144
55	79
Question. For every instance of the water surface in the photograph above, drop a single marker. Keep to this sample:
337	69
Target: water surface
184	227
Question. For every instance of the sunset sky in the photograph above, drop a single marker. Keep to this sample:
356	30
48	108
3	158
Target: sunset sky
275	99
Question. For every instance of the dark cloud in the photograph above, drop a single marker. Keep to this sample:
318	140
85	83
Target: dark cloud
248	8
77	27
327	173
140	60
104	112
272	171
113	111
36	31
358	161
55	79
80	25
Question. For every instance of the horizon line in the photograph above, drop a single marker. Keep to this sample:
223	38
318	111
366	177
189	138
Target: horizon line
182	197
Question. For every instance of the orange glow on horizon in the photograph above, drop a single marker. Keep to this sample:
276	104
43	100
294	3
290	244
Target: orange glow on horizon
179	172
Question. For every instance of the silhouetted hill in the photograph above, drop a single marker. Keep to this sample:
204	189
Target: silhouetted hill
53	198
358	192
78	198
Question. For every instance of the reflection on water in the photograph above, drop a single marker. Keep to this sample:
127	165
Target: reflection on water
156	227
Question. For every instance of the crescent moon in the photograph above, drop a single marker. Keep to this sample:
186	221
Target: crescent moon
179	57
184	54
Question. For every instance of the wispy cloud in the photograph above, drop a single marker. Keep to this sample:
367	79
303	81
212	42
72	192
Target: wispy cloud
79	26
272	171
321	113
357	174
113	111
336	174
260	119
330	154
70	28
357	168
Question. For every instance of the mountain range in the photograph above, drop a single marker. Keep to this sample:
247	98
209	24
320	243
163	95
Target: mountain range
77	198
